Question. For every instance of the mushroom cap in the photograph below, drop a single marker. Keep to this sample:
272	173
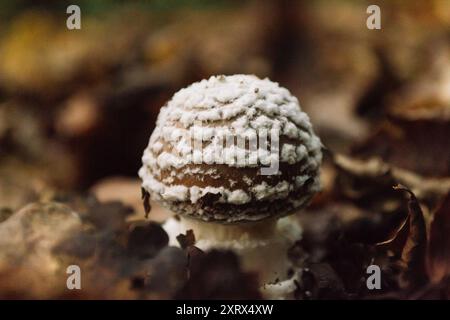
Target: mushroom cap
200	162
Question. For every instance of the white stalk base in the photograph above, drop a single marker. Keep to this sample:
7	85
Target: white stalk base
261	246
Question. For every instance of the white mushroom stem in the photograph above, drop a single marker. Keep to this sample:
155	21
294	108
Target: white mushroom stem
244	233
262	247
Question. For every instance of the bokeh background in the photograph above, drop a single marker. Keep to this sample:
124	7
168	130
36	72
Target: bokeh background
77	106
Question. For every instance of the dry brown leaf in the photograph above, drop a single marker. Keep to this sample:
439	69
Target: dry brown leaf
146	200
414	251
426	189
186	240
438	259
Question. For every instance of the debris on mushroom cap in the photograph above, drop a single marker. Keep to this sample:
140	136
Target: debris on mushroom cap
239	106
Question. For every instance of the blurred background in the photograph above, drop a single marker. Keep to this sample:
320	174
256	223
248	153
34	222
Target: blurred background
77	106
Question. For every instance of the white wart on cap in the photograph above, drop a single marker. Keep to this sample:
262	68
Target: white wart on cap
231	191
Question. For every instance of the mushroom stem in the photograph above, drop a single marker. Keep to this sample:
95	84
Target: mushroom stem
262	246
223	233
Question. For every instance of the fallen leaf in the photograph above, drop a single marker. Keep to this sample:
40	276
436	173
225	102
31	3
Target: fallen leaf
218	275
438	259
186	240
146	239
414	251
320	281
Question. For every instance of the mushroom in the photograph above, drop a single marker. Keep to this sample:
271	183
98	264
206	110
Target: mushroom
231	155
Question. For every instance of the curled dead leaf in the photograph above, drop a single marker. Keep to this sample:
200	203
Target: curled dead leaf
414	251
427	189
438	258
